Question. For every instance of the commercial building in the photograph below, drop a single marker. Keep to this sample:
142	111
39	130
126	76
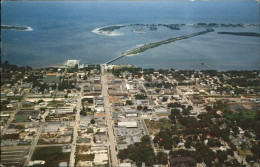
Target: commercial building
132	124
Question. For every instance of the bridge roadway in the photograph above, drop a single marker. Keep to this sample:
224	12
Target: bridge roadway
156	44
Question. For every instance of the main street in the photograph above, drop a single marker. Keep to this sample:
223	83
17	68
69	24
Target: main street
111	138
76	127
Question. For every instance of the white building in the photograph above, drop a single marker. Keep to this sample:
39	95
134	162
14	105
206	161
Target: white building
72	63
131	124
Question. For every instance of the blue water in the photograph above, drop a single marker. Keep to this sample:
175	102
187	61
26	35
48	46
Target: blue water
62	31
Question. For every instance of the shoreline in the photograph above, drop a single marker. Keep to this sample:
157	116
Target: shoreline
112	33
16	28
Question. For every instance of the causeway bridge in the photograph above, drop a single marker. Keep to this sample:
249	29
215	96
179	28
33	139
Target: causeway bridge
156	44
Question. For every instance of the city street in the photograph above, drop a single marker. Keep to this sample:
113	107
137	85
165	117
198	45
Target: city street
111	138
35	141
76	127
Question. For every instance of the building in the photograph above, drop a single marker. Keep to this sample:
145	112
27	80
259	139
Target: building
72	63
132	124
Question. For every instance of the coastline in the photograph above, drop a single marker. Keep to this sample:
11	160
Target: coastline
16	28
112	33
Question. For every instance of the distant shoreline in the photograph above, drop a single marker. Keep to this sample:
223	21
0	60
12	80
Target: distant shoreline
18	28
249	34
108	30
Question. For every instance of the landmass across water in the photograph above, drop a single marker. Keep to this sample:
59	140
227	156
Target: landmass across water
251	34
19	28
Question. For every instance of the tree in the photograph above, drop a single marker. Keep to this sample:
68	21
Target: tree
82	112
92	121
162	158
185	112
146	139
171	117
175	111
139	152
140	96
188	143
40	101
165	99
139	108
255	149
145	108
222	156
129	102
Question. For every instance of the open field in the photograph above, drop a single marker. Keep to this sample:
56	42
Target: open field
154	127
51	155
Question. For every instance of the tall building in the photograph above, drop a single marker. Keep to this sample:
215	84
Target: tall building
72	63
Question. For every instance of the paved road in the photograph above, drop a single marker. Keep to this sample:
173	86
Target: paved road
35	141
189	102
109	121
76	127
14	113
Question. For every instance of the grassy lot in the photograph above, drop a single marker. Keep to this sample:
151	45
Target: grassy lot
55	104
84	140
239	111
155	126
164	114
51	155
82	148
21	118
42	142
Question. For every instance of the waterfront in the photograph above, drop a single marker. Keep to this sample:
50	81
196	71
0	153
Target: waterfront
68	35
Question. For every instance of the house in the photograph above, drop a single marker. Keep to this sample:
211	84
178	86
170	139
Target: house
161	111
87	89
97	80
99	103
129	110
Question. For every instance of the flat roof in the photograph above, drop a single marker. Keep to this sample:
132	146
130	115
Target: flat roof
51	74
129	124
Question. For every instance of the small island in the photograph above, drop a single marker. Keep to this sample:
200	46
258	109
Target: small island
19	28
251	34
111	28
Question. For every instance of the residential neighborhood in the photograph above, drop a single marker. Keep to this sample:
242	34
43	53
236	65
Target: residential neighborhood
121	115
